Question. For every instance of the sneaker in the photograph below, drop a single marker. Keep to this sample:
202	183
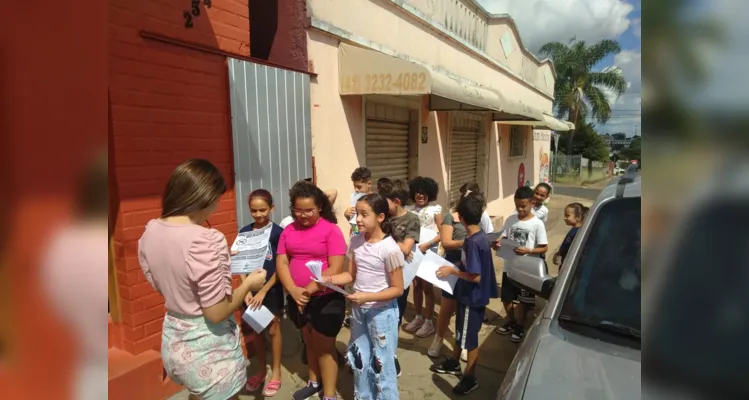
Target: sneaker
397	367
518	332
449	366
466	385
434	349
505	329
347	322
464	355
414	325
307	392
426	330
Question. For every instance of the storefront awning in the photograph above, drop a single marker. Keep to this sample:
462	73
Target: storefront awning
544	121
362	71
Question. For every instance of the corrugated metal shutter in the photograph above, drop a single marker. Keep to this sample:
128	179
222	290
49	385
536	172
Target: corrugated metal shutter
271	129
387	141
465	137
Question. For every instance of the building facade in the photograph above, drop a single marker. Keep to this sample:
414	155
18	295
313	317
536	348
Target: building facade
437	88
192	80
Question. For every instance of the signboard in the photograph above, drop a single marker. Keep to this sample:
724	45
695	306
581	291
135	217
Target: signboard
521	175
390	83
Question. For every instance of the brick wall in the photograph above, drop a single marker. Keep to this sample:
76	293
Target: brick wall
168	104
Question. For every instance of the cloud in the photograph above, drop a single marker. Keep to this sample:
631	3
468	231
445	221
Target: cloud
637	27
543	21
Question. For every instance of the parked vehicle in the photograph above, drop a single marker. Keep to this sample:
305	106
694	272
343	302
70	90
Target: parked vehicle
586	343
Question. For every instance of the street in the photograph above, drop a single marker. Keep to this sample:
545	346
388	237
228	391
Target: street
417	382
589	192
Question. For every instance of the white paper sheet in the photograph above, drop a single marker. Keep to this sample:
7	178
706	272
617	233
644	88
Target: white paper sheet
253	248
427	235
428	271
494	236
507	249
411	267
316	268
258	319
354	198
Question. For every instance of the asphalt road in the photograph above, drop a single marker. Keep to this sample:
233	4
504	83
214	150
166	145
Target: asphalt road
590	193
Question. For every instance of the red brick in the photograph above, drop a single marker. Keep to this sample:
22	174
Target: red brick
153	326
143	316
128	345
152	300
132	334
131	306
129	205
152	342
140	290
219	218
153	85
139	218
128	278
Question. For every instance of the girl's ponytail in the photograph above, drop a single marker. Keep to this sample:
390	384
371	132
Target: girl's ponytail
580	210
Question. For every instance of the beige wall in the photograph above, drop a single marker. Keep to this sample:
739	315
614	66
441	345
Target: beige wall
338	121
364	22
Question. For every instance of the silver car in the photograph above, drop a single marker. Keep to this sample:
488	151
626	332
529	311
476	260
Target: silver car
586	342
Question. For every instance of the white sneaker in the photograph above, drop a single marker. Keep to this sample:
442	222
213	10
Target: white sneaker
464	355
434	349
414	325
426	330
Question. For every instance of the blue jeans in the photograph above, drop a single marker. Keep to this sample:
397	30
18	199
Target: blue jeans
371	351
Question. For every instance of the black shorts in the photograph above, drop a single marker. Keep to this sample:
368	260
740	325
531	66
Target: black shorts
468	321
325	313
448	295
510	292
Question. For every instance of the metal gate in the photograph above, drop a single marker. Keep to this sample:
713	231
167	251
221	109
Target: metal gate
465	137
270	115
387	141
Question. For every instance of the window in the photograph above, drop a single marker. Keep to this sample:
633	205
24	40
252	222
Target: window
517	141
604	293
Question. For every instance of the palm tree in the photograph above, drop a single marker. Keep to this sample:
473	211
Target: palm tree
578	90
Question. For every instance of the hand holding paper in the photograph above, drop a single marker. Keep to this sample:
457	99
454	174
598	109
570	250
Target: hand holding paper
258	319
507	249
428	271
315	267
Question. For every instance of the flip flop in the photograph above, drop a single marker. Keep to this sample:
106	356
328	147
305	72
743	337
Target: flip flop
255	382
271	389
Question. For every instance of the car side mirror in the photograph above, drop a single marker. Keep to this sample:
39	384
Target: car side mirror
530	273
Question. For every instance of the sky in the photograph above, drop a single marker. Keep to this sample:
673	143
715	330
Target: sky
542	21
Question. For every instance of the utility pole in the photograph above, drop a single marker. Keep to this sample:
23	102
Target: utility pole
636	126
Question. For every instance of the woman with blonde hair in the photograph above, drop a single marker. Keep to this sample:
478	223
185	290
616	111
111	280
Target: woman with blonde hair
190	266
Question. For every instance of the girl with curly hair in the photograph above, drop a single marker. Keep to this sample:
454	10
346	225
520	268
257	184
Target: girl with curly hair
314	309
423	194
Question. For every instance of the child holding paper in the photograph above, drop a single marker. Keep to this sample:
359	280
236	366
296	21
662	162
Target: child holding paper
270	296
375	267
405	232
529	232
314	309
477	284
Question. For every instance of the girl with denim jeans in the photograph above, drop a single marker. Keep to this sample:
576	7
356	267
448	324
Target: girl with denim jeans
376	270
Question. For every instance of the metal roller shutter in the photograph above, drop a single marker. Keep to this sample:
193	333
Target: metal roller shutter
465	138
387	141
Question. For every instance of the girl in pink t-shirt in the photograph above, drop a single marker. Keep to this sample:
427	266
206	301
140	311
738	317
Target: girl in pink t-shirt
375	268
316	310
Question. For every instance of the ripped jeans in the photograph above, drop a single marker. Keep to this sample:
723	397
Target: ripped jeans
371	351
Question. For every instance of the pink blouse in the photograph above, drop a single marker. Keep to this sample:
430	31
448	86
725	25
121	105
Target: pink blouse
187	263
302	245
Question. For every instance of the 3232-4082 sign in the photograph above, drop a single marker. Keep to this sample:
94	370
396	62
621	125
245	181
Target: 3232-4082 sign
403	82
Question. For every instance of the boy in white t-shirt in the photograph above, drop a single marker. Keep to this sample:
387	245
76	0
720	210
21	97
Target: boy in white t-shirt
529	232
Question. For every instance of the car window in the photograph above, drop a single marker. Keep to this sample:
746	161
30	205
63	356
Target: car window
705	286
604	291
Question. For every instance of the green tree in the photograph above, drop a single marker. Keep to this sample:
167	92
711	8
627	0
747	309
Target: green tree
619	136
578	90
587	142
634	151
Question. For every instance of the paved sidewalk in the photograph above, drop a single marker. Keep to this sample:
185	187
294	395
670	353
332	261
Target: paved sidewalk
417	382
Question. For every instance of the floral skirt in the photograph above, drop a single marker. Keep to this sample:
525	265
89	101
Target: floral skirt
204	357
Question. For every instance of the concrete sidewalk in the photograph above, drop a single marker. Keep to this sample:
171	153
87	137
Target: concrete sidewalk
417	382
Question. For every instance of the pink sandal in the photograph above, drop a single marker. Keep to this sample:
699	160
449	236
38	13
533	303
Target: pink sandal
255	382
271	389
